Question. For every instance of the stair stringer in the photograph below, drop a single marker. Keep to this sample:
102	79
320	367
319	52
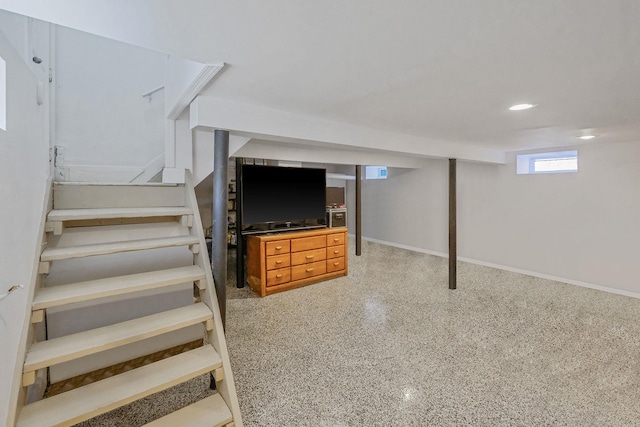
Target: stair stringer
19	394
226	387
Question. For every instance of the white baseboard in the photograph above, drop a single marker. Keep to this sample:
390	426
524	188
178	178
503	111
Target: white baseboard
407	247
507	268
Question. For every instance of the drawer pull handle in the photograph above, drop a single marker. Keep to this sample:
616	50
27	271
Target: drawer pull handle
278	276
309	270
279	261
335	252
310	256
278	248
336	239
336	263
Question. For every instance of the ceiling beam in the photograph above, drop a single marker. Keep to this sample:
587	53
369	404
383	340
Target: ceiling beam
260	149
265	123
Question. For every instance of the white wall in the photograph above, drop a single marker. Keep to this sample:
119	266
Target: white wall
409	208
102	120
579	227
23	174
15	29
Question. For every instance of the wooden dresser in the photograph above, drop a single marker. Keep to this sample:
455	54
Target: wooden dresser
278	262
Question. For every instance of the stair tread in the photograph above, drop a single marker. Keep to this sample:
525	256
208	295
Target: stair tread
108	213
70	347
82	291
55	254
211	411
94	399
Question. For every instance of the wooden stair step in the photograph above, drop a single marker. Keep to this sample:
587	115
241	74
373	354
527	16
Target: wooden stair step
103	396
83	291
109	213
55	254
211	411
51	352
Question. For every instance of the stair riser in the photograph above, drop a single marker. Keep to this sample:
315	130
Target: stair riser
76	196
57	228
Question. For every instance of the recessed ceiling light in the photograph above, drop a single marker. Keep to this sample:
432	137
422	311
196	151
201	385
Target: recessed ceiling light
587	136
519	107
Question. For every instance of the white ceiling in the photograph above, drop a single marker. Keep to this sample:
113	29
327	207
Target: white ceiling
439	69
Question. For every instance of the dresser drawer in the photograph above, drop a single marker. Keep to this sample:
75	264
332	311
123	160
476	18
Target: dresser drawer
335	264
278	261
278	247
276	277
308	270
335	251
306	257
335	239
307	243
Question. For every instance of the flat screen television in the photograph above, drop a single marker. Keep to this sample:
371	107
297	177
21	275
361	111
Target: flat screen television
275	197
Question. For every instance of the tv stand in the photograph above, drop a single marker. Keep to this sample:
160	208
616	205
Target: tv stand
287	260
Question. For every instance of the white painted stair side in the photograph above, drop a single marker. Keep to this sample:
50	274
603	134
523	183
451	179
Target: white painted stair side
94	399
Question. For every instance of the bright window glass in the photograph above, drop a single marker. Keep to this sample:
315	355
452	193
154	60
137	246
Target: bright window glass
567	164
375	172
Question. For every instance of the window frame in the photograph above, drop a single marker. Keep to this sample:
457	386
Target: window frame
525	163
376	172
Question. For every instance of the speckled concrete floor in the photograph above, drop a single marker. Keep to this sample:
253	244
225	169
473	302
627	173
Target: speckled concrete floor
390	345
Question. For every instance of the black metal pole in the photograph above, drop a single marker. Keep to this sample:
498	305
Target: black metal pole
358	210
239	237
453	252
219	225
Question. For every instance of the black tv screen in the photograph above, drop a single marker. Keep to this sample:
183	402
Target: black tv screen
282	194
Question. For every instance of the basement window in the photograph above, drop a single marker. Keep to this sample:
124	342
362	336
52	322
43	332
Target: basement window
375	172
554	162
3	94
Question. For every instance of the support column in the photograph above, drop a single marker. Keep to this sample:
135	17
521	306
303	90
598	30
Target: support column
358	210
453	253
219	225
239	236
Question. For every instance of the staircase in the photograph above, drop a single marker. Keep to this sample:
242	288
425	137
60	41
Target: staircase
140	247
